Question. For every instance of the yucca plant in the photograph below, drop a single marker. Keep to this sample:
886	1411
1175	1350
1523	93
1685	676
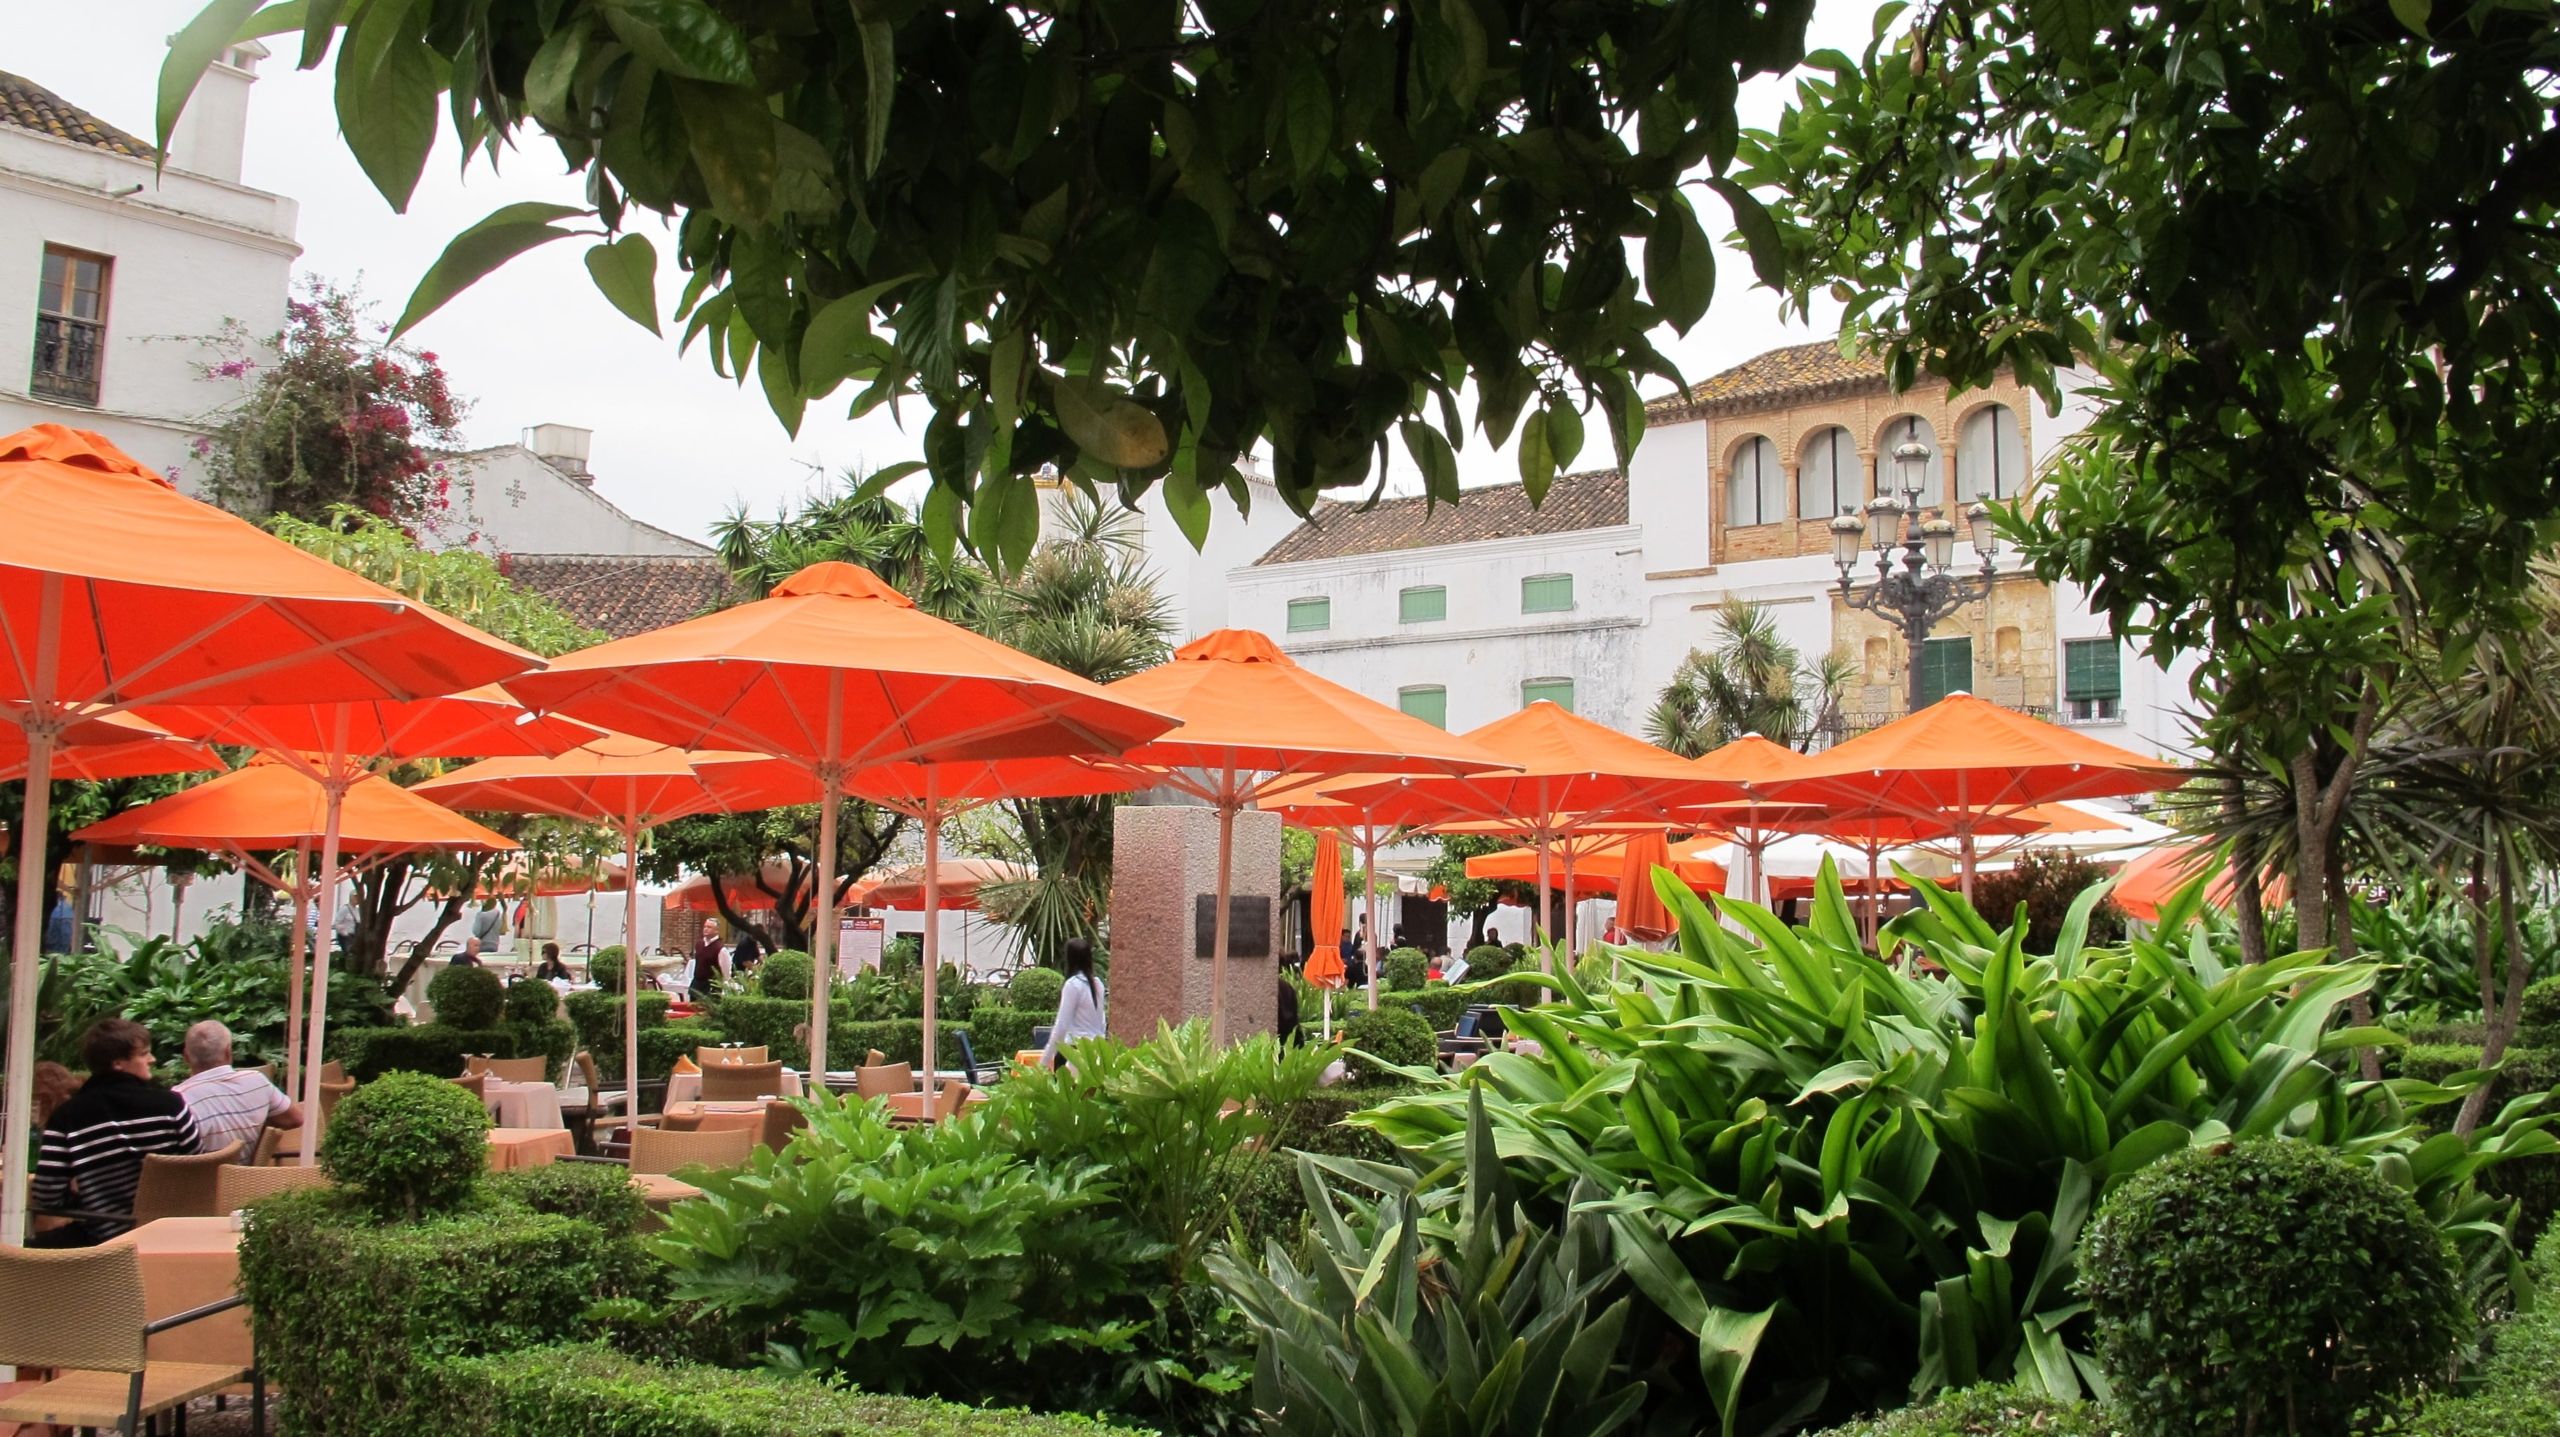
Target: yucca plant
1447	1311
1852	1184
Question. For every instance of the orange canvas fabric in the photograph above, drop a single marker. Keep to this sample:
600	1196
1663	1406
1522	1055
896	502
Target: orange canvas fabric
270	805
1555	764
1327	912
1962	753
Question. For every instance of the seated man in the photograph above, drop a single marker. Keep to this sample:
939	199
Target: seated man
95	1142
230	1103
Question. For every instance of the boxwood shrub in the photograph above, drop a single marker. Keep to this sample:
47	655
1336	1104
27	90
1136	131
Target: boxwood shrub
787	974
1390	1035
589	1391
531	1000
407	1144
1404	968
1984	1412
1487	961
2266	1286
1440	1007
2519	1388
467	996
435	1049
352	1315
598	1019
994	1032
662	1045
1036	990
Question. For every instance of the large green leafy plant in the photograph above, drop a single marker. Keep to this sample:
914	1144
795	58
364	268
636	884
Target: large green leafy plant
1849	1184
1134	240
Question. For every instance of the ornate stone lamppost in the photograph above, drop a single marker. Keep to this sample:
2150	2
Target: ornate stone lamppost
1926	588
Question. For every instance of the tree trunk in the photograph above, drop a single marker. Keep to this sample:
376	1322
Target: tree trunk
2248	891
2500	1017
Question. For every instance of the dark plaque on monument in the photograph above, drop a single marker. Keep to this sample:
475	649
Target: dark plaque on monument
1248	927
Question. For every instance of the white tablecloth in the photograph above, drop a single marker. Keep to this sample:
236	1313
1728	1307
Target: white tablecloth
523	1105
687	1087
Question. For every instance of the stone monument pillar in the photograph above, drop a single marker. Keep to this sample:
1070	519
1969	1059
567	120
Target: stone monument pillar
1164	882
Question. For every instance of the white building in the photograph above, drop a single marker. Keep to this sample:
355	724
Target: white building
538	496
111	276
1464	614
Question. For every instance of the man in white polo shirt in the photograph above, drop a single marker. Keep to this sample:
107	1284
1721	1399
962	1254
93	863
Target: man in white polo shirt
230	1103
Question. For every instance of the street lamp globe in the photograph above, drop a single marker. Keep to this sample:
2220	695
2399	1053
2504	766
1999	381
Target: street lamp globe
1884	516
1939	535
1848	535
1986	534
1912	458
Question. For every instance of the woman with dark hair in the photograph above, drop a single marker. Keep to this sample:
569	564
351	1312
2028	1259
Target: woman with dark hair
1081	1004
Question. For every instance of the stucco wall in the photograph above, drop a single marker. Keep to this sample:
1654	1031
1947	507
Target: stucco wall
1162	858
507	500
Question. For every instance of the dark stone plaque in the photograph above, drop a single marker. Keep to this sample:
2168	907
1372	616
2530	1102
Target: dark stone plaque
1248	926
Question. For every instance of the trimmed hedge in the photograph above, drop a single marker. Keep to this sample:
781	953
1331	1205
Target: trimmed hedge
2521	1071
531	1000
352	1316
787	974
598	1019
2519	1391
662	1045
2541	1005
1404	968
1391	1035
1487	961
436	1049
467	996
407	1144
604	967
1036	990
587	1391
996	1033
1983	1412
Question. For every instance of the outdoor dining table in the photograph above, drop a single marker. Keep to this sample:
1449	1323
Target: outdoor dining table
522	1105
711	1117
659	1190
916	1107
686	1087
188	1262
528	1147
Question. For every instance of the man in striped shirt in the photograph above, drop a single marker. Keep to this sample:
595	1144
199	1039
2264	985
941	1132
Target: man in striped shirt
95	1142
230	1104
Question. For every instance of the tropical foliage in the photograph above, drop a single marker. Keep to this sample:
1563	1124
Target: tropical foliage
1784	1130
1752	681
233	972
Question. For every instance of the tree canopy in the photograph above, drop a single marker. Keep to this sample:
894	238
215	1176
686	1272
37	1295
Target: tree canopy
1128	238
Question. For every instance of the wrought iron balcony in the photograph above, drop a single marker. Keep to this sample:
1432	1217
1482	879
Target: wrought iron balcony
67	355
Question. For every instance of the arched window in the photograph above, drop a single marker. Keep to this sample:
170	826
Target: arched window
1902	430
1991	455
1757	492
1828	477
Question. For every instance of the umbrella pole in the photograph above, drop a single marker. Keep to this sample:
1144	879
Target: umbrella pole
1218	952
1875	890
297	957
630	974
334	787
1328	1015
1369	897
1572	904
822	943
43	725
1964	854
932	927
1546	895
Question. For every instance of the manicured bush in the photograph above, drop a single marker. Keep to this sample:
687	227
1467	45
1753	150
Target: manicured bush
604	966
410	1144
352	1316
759	1021
467	996
598	1193
598	1018
2520	1070
530	1001
1036	990
997	1034
553	1042
661	1046
1489	960
1404	968
2541	1005
1439	1006
1398	1036
786	974
1988	1411
435	1049
591	1391
2518	1394
2045	883
2269	1286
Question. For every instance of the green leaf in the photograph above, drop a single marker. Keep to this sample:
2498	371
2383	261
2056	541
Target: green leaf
683	37
1103	423
1759	232
1185	500
1537	461
941	519
386	90
550	78
773	371
1564	431
730	134
508	231
1727	1343
1433	456
2415	14
839	338
1308	114
1679	263
877	482
879	90
191	50
626	271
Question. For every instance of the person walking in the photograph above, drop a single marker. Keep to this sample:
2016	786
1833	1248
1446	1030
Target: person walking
1083	1008
95	1142
705	982
230	1104
489	925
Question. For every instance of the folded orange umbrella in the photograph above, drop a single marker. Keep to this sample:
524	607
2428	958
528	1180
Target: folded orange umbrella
1641	912
1328	904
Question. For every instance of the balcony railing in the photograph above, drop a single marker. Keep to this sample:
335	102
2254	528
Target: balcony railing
1849	723
67	355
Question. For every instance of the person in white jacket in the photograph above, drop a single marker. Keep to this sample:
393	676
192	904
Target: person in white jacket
1082	1004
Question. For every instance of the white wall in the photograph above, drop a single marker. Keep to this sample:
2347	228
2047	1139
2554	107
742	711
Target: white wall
189	253
1486	647
1194	581
507	500
143	904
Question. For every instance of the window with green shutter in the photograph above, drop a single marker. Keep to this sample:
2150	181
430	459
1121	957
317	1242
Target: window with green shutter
1307	616
1422	604
2092	679
1946	667
1546	594
1427	702
1555	691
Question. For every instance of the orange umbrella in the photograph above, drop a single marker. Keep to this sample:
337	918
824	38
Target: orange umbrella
1641	912
1327	908
1252	716
1971	761
629	783
837	672
1563	773
1601	860
269	806
1753	763
746	892
957	882
551	878
118	591
2153	878
108	745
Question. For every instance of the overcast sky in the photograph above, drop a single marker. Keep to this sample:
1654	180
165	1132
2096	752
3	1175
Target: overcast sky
674	443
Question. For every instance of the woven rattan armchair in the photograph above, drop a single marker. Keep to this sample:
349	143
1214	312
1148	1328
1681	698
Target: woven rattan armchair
81	1313
181	1186
882	1079
476	1084
236	1187
659	1150
510	1070
708	1058
737	1082
782	1118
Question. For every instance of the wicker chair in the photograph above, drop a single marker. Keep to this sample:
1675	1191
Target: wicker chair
236	1187
510	1070
288	1142
736	1082
660	1150
881	1079
476	1084
948	1102
709	1058
81	1312
174	1186
332	1071
782	1118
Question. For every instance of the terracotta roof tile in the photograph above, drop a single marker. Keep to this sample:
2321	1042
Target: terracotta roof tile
1576	501
623	594
30	106
1793	372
